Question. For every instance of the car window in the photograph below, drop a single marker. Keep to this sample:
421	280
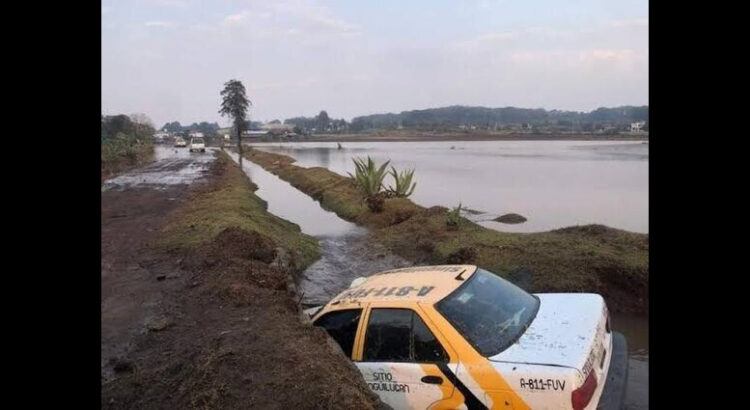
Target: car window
427	348
388	336
341	325
400	335
490	312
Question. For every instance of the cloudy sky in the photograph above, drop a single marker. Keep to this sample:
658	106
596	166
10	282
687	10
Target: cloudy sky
170	58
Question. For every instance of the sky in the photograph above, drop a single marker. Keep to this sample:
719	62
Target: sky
170	59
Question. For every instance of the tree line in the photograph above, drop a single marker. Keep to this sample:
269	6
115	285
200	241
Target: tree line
208	129
498	118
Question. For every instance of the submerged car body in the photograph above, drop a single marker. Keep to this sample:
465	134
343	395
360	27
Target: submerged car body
457	336
180	142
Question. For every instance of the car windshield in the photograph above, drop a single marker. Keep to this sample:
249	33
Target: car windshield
490	312
197	140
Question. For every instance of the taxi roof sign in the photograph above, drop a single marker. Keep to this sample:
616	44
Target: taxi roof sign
416	283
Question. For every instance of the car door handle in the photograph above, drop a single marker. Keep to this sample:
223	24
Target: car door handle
432	380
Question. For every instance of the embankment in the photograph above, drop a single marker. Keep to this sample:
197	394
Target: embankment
230	334
590	258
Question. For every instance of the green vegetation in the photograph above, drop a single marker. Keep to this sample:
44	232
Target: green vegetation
404	187
232	203
209	130
368	177
126	142
319	124
507	118
591	258
234	104
453	220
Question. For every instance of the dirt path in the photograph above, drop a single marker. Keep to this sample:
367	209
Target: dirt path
132	292
212	326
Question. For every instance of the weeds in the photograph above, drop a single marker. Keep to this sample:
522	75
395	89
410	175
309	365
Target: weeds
454	218
369	179
404	187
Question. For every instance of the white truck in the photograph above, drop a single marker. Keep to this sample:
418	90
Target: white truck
197	144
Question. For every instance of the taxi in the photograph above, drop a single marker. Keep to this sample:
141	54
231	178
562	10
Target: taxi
461	337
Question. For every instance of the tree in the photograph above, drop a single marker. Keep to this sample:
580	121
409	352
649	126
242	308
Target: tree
323	121
234	105
143	127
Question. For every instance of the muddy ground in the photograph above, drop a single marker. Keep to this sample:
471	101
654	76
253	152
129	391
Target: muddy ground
210	327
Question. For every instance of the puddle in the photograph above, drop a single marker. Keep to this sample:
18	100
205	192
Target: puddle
173	166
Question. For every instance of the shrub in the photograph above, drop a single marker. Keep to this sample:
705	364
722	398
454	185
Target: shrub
368	177
404	186
454	218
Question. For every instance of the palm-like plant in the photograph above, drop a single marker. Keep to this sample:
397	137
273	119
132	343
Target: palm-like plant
454	218
368	177
404	187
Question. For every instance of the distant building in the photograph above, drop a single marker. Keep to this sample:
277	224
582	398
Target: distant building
161	135
196	134
637	127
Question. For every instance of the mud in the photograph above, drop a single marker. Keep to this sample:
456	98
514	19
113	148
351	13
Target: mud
173	166
209	327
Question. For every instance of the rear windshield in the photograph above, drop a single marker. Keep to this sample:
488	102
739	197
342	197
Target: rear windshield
490	312
197	140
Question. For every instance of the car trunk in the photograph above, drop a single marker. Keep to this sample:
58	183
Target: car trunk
569	330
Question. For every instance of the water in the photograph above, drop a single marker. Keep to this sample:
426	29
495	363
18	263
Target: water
171	166
553	184
347	254
635	329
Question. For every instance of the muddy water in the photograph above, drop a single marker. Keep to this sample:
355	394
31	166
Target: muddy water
553	184
172	166
347	254
635	329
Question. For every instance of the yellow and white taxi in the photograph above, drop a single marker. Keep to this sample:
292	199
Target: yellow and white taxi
460	337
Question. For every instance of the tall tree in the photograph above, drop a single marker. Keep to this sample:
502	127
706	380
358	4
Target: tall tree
323	121
234	105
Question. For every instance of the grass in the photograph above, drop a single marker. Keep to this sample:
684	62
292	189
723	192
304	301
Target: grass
231	203
335	192
122	153
590	258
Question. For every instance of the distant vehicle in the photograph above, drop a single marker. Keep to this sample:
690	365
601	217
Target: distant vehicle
457	336
180	142
197	144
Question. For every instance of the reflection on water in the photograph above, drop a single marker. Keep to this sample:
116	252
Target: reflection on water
552	183
287	202
635	329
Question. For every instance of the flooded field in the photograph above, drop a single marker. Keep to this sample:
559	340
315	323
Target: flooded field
553	184
347	254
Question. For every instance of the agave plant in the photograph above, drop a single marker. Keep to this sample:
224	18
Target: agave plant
369	179
404	187
454	217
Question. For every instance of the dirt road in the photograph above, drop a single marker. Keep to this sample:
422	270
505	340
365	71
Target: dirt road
212	326
133	207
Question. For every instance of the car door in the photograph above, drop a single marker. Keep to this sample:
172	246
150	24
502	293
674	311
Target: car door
401	360
342	325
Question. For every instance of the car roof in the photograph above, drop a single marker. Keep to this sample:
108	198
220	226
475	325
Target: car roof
417	283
